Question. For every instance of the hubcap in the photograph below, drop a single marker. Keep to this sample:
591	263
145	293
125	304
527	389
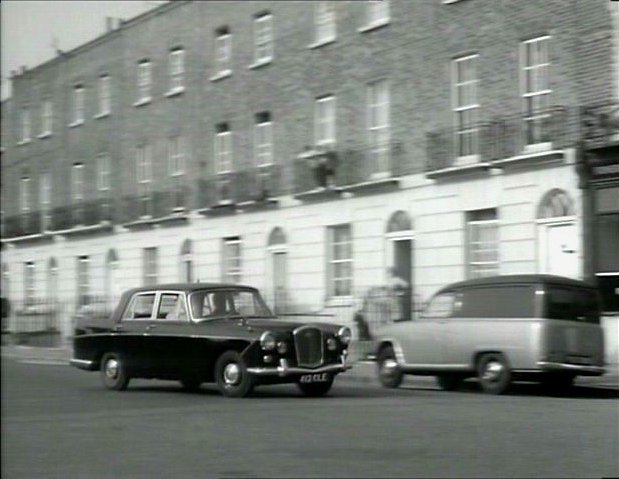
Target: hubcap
493	371
111	368
389	367
232	374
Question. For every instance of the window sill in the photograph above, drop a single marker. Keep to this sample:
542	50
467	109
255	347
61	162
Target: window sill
76	123
24	142
260	63
221	75
175	92
101	115
321	43
45	134
142	101
374	26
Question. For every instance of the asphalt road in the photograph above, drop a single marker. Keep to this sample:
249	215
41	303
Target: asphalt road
58	422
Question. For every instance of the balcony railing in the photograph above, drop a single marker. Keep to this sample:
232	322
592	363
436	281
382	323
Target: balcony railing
250	185
347	167
154	205
600	124
500	138
86	213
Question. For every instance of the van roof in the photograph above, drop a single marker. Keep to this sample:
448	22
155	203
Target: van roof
518	278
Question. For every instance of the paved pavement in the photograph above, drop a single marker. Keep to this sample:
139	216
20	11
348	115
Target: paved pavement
362	371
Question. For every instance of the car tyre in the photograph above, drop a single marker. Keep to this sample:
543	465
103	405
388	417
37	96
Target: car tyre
231	375
389	373
493	373
449	382
113	372
316	389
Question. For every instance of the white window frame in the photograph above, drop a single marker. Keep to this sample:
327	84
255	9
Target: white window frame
25	125
103	173
83	277
263	38
105	95
334	261
232	255
176	70
325	120
29	282
24	195
144	82
325	22
46	199
474	267
263	142
223	52
77	183
223	151
379	132
78	105
377	14
176	169
538	92
150	266
46	118
465	104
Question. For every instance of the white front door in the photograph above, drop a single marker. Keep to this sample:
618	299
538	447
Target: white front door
279	282
561	250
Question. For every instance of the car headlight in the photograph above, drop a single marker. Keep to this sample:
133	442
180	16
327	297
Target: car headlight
267	341
282	347
344	335
331	344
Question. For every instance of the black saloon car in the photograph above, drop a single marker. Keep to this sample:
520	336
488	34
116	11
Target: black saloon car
219	333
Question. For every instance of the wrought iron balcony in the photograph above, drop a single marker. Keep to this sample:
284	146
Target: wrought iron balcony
500	139
600	124
25	224
347	167
154	205
86	213
252	185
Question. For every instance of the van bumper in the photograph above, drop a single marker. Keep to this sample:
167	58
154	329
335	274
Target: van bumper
581	369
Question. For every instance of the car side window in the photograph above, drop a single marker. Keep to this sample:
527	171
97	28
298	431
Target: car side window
441	306
141	307
172	307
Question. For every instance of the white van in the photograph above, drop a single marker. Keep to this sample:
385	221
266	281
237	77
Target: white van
499	329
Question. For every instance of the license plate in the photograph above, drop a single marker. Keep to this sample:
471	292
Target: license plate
314	378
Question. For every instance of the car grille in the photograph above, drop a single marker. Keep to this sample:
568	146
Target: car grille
309	346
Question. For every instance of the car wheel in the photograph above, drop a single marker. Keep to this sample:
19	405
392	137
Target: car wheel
493	373
448	382
191	384
231	375
316	389
389	373
558	381
113	372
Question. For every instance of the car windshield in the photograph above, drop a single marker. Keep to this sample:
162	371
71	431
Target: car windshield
235	303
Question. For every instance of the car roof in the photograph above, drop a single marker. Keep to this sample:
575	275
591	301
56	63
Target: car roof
187	287
518	278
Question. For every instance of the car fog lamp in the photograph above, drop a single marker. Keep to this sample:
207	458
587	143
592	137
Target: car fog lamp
282	347
267	341
267	358
344	335
331	344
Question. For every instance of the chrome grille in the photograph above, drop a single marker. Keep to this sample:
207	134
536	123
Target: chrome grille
309	345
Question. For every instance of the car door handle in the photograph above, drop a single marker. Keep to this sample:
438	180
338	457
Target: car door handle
118	328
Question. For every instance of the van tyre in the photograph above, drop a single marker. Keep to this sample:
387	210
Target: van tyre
231	375
113	372
389	373
493	373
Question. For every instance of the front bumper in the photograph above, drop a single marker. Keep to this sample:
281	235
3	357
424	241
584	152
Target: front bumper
83	364
284	370
575	368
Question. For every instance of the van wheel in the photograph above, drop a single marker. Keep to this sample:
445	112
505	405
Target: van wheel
231	375
448	382
389	373
493	373
113	373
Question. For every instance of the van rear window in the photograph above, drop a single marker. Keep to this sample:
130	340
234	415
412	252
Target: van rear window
572	304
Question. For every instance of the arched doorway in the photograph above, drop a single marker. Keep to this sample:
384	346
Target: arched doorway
399	237
558	236
186	262
278	251
112	291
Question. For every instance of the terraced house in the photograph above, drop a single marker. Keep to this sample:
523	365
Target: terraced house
306	147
